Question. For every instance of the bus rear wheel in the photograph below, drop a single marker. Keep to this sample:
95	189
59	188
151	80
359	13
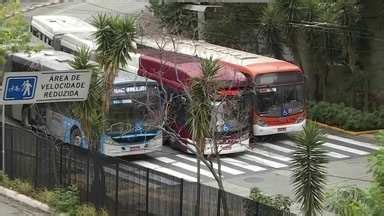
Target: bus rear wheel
75	138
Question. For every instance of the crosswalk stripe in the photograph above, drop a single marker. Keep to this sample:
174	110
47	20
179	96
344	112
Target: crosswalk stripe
263	161
277	148
329	153
347	149
223	168
271	155
184	166
165	170
353	142
243	165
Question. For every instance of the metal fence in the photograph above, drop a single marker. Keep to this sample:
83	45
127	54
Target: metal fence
121	187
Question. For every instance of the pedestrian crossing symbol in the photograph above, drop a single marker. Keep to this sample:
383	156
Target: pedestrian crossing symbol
20	88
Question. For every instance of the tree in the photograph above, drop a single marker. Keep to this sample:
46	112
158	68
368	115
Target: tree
202	96
91	117
14	33
309	170
115	38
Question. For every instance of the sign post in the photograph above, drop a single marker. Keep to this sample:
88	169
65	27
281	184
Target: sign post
42	87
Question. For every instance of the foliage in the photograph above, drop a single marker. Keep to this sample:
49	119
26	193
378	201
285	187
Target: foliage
309	169
279	201
174	18
14	33
347	201
115	39
351	201
89	111
345	117
202	93
89	210
66	199
21	186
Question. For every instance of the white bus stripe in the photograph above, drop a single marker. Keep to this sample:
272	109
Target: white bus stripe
346	149
263	161
243	165
277	148
165	170
184	166
353	142
271	155
329	153
223	168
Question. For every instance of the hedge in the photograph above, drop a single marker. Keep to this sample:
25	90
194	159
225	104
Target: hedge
345	117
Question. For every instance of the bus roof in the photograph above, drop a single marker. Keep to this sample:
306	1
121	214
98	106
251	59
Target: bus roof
51	25
79	39
249	63
57	60
177	70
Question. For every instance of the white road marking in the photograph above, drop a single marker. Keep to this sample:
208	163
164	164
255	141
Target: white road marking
243	165
165	170
347	149
277	148
329	153
263	161
223	168
353	142
184	166
271	155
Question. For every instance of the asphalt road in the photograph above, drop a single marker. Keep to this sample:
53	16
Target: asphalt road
267	165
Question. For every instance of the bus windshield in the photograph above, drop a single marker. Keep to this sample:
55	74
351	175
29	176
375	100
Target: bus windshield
230	115
280	101
135	110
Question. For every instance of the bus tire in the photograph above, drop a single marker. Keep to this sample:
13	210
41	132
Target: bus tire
75	136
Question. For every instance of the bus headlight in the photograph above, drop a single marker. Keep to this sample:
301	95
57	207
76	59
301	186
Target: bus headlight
259	121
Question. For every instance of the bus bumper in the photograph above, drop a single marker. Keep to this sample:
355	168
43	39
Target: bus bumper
152	145
269	130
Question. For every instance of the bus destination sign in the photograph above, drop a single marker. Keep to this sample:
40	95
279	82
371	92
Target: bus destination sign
45	86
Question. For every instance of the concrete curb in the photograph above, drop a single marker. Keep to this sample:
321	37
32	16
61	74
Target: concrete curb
24	199
24	10
350	133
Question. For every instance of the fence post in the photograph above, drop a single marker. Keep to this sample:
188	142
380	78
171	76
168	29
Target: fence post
147	193
218	202
61	165
117	190
11	153
36	161
181	196
87	177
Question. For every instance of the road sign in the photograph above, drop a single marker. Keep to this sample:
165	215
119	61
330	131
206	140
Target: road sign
45	87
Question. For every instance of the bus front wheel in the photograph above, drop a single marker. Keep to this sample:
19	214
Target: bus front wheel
75	138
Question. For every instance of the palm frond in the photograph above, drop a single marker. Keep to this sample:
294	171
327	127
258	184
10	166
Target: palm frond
309	169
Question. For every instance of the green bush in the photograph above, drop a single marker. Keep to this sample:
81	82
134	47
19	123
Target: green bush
66	200
345	117
22	187
279	201
90	210
4	180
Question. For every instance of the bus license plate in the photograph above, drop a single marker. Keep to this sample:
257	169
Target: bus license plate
281	129
135	148
227	147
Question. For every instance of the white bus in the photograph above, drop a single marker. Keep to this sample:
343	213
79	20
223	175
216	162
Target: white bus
135	113
50	29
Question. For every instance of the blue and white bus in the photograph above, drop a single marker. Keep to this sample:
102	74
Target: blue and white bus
134	120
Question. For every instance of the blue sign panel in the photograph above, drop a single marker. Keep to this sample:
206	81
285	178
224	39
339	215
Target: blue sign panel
20	88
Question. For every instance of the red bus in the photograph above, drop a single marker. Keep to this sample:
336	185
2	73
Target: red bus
175	72
277	95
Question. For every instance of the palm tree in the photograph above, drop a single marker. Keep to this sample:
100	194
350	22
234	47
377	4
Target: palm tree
115	40
309	169
91	118
270	29
202	94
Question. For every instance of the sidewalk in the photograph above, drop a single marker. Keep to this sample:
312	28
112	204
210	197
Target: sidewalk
9	207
